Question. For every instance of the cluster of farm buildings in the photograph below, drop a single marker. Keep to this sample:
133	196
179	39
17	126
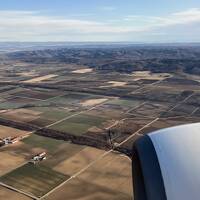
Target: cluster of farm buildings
12	140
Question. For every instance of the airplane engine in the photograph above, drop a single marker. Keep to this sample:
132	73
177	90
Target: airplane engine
166	164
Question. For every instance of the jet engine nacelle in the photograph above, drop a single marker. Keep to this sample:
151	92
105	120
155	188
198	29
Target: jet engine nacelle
166	164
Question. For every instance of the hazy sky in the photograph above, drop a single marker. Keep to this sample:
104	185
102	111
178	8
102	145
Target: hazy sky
100	20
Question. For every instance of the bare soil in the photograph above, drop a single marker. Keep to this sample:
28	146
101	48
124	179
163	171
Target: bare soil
41	78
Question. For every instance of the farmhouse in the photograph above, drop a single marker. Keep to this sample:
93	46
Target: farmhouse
38	158
10	140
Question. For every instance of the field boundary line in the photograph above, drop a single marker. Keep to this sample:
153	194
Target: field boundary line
24	163
19	191
93	162
114	124
31	98
76	174
146	86
128	111
183	101
137	132
194	111
76	114
179	103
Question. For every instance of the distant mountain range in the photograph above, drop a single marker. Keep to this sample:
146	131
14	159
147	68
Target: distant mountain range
121	57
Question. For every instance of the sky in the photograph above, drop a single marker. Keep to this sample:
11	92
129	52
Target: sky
146	21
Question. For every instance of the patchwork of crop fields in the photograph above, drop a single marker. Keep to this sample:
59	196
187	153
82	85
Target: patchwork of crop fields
79	124
34	179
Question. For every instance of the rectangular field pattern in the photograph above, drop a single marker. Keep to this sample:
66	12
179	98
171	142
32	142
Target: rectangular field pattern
34	179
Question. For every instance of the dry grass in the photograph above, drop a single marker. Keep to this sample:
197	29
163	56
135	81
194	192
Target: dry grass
29	74
109	178
11	195
82	71
147	75
6	131
112	172
78	161
3	111
78	189
23	115
9	162
93	102
41	78
114	84
117	83
95	129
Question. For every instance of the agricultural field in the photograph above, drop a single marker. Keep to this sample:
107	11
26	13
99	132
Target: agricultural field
9	161
11	195
34	179
107	178
80	114
6	131
80	124
78	161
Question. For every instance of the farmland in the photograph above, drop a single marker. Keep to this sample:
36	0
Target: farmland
83	114
79	124
34	179
9	194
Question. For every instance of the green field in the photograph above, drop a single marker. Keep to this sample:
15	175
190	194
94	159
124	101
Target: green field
57	150
13	90
10	105
79	124
43	142
35	179
42	122
87	119
78	96
50	115
72	128
125	102
71	98
56	114
6	89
